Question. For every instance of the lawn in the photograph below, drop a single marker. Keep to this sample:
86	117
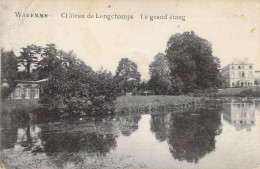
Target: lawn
237	91
153	101
121	102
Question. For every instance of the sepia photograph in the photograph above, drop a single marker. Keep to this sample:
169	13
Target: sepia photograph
112	84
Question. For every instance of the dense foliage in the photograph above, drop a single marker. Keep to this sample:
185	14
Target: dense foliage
9	69
103	91
191	63
159	72
28	58
127	75
76	88
49	61
249	93
71	85
188	65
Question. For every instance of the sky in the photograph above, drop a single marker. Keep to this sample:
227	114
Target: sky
232	27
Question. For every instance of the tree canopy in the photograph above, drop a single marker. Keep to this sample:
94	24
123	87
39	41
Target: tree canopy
28	57
191	62
9	69
49	60
159	72
127	74
77	88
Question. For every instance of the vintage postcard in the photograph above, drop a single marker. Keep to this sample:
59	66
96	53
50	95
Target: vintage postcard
130	84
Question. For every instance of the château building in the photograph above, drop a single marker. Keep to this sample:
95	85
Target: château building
240	73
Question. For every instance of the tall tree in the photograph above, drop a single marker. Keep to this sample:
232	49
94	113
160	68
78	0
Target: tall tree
127	74
9	69
159	72
102	93
28	57
68	87
50	60
77	88
191	62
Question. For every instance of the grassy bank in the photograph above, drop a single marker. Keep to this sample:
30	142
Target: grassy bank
128	102
253	91
140	102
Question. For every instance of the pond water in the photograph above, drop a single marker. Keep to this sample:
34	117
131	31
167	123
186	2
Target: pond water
226	136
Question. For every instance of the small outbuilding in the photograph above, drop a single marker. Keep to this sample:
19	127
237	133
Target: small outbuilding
147	93
27	89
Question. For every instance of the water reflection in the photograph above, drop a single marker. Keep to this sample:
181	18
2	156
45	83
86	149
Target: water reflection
71	135
24	138
241	115
75	142
190	136
8	137
29	138
129	123
179	139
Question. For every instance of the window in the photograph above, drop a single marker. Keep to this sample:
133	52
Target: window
27	93
36	93
17	93
243	74
239	67
232	67
250	67
233	84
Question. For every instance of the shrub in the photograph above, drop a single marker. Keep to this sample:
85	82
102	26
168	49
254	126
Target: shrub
77	88
248	93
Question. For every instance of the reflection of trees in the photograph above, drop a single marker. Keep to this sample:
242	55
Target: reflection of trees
28	137
10	122
190	136
158	126
128	123
73	147
74	142
8	137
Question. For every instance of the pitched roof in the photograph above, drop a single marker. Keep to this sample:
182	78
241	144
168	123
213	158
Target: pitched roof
31	81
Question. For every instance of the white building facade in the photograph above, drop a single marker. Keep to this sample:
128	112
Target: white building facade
238	74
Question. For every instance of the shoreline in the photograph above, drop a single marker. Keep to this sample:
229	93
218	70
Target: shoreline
133	103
